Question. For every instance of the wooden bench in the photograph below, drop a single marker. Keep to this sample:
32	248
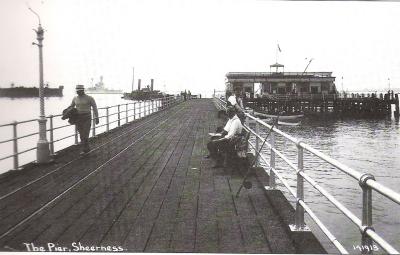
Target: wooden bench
238	155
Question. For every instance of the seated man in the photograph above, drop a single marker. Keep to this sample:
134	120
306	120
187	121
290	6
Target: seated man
222	143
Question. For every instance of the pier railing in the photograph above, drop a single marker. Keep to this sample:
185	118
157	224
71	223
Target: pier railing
115	114
366	181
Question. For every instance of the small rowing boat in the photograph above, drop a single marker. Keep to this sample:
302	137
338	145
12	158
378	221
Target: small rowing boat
282	116
284	119
283	123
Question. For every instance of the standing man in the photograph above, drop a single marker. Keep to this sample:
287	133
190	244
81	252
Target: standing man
235	100
237	103
83	104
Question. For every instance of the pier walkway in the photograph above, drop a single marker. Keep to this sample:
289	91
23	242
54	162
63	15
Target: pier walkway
146	187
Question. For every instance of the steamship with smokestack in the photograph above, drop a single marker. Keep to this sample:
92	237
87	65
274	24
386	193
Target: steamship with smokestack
145	93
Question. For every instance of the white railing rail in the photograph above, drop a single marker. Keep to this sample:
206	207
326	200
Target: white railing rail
366	181
123	112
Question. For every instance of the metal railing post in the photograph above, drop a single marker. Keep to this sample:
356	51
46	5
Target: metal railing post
76	135
299	214
366	220
134	111
150	106
15	145
119	117
257	143
272	182
51	136
93	127
108	119
126	113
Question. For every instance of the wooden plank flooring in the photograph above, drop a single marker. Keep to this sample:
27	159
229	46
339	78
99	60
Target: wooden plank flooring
149	190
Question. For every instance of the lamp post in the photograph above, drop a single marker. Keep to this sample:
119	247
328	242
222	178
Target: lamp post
42	151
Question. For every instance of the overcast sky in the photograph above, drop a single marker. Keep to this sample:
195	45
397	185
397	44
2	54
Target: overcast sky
193	44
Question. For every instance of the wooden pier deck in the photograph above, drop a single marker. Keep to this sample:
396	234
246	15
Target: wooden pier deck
145	187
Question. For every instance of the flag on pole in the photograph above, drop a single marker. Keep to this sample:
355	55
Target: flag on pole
279	48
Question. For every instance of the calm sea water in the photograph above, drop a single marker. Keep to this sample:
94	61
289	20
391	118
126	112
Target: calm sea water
28	108
370	146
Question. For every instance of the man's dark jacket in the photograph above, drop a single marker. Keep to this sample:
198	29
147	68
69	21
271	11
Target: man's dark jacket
71	113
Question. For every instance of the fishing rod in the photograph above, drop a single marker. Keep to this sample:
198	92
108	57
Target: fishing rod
248	184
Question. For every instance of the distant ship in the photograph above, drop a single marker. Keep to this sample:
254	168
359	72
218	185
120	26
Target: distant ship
100	89
143	94
17	92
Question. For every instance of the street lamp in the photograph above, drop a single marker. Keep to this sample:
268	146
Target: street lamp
42	150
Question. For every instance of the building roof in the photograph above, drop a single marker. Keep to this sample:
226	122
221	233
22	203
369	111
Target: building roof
274	74
275	77
276	65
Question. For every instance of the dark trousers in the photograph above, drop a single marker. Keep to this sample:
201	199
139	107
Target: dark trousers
218	149
83	124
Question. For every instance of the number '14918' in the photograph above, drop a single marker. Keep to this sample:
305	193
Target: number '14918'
366	247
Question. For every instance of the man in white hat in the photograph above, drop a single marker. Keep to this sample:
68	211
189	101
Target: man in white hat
83	104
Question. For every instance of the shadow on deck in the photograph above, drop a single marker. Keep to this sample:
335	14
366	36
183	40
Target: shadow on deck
145	187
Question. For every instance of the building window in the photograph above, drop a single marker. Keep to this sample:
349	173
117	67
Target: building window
314	90
281	90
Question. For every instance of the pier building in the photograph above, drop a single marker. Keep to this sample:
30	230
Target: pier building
279	82
312	93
